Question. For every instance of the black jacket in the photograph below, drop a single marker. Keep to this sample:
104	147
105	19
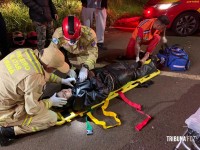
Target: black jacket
4	43
41	10
104	80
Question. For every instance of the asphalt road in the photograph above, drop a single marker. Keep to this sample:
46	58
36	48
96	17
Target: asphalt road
170	100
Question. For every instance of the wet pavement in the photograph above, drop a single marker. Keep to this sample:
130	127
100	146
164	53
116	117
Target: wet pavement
170	101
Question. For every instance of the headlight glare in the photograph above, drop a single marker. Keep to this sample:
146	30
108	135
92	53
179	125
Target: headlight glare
164	6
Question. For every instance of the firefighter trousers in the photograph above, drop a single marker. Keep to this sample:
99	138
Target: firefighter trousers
29	124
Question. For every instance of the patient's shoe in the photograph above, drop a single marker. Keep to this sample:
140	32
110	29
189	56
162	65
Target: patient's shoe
7	135
159	65
145	84
123	57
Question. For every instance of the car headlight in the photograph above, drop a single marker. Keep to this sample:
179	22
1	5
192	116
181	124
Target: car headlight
165	6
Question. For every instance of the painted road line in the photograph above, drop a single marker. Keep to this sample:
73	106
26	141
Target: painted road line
180	75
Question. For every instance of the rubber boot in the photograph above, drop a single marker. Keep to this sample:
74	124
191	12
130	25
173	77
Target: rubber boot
7	135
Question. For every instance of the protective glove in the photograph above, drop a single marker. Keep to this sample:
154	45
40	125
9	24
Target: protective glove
83	74
68	81
57	101
137	59
72	73
164	39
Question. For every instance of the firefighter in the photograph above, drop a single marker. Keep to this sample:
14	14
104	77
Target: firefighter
146	33
24	74
78	40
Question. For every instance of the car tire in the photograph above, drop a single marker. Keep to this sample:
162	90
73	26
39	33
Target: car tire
186	24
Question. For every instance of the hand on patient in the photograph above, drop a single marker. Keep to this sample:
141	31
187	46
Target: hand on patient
72	73
137	59
83	74
68	81
146	56
58	101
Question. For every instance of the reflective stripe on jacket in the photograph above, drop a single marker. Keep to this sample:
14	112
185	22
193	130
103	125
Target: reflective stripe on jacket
86	49
147	27
22	81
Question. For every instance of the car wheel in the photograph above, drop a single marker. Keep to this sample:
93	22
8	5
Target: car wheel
186	24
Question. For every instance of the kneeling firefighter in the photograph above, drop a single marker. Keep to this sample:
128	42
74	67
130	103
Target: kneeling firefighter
79	41
24	74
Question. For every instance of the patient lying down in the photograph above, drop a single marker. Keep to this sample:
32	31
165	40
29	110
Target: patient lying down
102	81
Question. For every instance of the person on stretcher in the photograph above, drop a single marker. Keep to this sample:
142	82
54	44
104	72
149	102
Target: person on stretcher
102	81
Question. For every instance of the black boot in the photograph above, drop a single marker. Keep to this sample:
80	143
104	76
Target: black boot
123	57
7	135
101	47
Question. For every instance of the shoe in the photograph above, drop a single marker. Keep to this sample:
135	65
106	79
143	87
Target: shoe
124	58
7	135
145	84
159	65
101	47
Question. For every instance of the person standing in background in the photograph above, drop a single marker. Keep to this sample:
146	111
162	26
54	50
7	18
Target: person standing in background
3	38
42	13
99	9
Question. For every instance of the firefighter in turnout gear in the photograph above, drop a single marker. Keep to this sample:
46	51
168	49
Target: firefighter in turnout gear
24	74
80	41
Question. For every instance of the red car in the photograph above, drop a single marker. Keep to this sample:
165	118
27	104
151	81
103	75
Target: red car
183	14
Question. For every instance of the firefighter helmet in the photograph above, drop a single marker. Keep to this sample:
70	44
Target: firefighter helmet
71	27
18	38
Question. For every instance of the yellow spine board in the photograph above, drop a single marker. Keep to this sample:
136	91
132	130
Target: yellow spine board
130	85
